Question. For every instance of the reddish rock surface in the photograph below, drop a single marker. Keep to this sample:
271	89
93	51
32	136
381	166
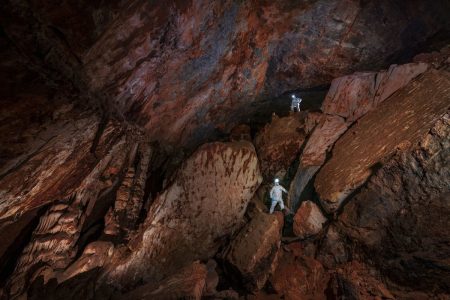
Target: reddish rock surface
356	281
299	277
399	216
205	202
308	220
254	252
322	139
91	208
397	123
278	143
333	249
184	69
353	96
188	283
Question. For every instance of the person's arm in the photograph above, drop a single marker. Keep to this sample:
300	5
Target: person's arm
271	193
284	190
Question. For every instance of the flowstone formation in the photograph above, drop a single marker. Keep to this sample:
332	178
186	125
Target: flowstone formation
139	141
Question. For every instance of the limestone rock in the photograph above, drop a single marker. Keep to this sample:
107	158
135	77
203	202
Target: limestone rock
205	203
278	143
94	256
308	220
254	251
437	59
398	122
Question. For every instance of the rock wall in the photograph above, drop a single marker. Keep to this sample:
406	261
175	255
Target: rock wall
212	63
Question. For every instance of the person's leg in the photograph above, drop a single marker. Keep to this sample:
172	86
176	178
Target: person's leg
281	204
272	207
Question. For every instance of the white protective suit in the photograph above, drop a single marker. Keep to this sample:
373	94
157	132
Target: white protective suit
276	194
295	104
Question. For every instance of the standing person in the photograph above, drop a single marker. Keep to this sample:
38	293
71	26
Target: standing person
276	194
295	104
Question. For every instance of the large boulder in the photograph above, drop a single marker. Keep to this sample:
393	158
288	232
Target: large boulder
348	99
299	276
399	216
308	220
278	143
189	220
397	123
254	251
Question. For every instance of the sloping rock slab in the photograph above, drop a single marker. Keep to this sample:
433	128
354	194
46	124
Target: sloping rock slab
398	122
322	138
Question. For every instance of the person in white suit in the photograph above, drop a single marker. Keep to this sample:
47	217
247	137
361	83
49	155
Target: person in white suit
295	104
276	194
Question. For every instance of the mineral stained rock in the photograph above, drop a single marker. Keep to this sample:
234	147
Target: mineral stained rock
349	98
205	203
188	283
399	122
355	280
210	61
402	210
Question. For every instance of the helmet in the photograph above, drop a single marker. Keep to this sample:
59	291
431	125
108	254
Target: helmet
277	180
293	96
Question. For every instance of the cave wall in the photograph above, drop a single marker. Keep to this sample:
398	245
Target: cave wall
211	61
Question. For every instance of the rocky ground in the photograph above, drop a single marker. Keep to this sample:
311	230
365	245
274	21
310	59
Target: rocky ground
119	183
84	211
